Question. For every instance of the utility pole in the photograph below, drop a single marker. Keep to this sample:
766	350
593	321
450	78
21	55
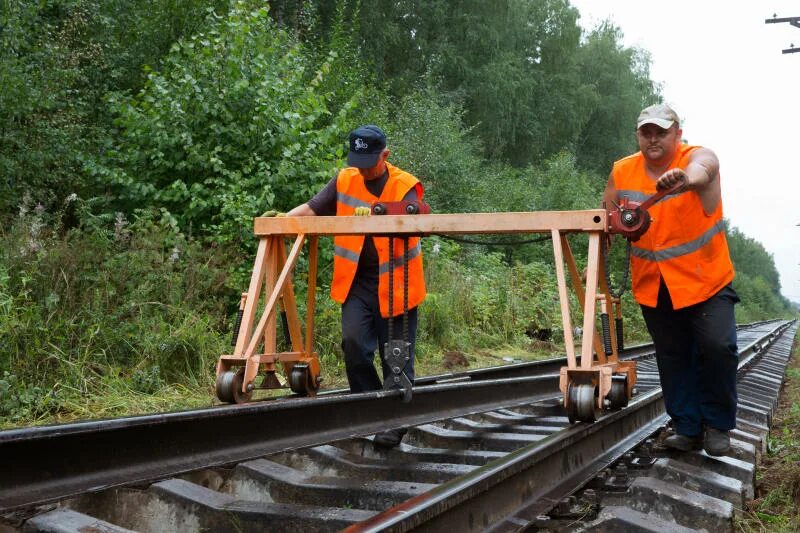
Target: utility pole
794	21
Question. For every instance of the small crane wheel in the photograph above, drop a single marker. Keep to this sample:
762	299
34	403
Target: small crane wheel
300	380
229	387
582	403
618	397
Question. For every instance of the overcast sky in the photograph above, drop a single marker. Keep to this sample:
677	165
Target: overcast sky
721	68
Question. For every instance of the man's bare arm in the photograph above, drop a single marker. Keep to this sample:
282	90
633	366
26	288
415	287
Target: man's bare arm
302	210
701	175
702	170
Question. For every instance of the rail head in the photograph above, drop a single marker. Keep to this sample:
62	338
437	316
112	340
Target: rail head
97	455
461	223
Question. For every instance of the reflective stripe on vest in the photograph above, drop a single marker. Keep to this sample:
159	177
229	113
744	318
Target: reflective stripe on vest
681	249
383	268
344	253
351	193
352	201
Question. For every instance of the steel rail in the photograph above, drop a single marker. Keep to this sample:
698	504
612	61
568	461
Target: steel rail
490	493
48	463
527	482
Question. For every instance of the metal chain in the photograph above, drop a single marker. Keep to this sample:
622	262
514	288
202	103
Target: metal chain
618	293
405	289
391	284
492	243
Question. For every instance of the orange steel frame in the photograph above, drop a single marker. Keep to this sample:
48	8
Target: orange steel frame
273	268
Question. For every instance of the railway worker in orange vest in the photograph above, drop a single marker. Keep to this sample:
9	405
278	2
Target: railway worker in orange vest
361	264
682	273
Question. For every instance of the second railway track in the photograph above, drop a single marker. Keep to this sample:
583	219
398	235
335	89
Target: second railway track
485	451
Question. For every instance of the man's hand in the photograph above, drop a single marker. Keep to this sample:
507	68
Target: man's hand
273	213
362	212
673	177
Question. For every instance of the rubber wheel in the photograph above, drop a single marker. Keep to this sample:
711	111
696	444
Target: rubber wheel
229	387
223	387
299	380
582	403
618	397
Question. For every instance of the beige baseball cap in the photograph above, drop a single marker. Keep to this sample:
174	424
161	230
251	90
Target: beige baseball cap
661	115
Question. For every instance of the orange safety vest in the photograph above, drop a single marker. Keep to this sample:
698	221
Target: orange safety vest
684	246
351	193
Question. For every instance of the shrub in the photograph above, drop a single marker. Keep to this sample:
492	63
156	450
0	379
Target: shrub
109	298
23	401
235	123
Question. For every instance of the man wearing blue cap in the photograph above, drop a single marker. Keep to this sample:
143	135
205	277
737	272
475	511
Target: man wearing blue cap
361	263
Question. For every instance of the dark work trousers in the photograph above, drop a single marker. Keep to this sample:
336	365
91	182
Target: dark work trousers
364	329
697	359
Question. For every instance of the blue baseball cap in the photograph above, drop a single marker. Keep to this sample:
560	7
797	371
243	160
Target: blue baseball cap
366	145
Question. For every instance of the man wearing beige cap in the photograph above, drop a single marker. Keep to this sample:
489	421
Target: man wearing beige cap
681	276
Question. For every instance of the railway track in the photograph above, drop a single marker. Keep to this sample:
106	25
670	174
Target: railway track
486	450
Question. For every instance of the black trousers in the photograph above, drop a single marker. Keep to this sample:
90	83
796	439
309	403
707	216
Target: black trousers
697	360
364	329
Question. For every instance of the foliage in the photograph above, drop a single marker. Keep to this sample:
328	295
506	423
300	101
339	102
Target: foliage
513	62
58	60
495	303
556	185
427	138
757	281
233	124
137	300
23	401
41	124
527	83
560	185
620	81
758	300
751	259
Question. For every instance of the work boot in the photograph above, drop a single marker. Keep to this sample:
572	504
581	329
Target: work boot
682	442
389	439
716	442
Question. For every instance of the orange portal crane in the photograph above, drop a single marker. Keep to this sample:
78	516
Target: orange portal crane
591	381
